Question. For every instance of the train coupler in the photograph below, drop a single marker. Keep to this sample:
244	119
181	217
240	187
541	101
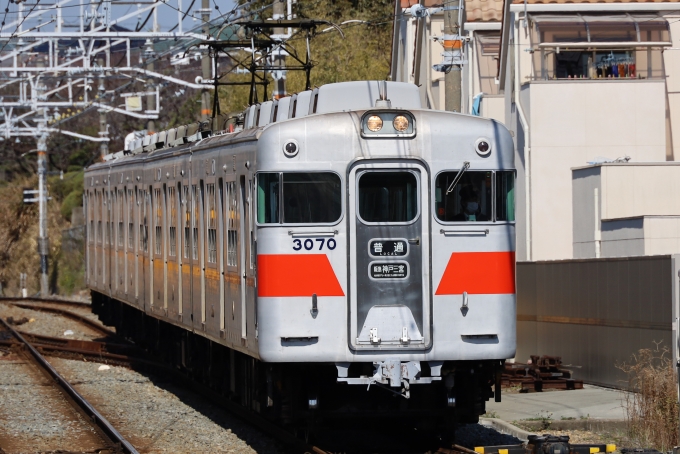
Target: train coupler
391	372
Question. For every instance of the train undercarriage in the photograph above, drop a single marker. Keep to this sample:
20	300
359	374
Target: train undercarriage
306	394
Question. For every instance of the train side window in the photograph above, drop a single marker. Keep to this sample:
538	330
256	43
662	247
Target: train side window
131	219
194	221
268	198
158	221
172	221
468	201
505	196
311	198
187	220
120	209
232	232
211	213
388	196
90	214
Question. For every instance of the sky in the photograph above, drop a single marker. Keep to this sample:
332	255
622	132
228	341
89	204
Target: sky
168	13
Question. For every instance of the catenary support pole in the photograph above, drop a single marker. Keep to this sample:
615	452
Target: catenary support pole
43	241
103	124
279	12
206	110
452	79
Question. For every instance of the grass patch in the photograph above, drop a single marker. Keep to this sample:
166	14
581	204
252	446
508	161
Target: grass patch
652	406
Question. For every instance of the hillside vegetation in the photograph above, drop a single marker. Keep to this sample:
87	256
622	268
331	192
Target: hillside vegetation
363	53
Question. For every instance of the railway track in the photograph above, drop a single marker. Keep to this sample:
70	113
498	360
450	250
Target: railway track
111	440
115	351
112	350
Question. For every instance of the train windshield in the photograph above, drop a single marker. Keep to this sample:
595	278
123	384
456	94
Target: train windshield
388	196
472	199
298	198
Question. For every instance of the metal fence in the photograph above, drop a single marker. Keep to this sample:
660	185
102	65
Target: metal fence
596	313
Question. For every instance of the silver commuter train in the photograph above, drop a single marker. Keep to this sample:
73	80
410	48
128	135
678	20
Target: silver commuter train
335	238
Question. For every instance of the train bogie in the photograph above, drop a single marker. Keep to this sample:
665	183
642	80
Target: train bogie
332	240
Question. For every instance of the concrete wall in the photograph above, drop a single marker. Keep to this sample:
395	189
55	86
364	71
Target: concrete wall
595	313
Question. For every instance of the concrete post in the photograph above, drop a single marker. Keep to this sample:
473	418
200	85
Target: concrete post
43	241
452	79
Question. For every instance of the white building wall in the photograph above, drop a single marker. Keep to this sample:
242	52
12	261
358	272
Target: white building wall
573	122
671	59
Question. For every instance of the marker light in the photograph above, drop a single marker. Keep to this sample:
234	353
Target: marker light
374	123
400	123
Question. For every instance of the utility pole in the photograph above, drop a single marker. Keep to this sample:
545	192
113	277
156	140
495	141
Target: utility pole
43	241
279	57
452	79
206	110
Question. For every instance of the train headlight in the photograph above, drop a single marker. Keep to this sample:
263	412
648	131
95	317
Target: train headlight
400	123
374	123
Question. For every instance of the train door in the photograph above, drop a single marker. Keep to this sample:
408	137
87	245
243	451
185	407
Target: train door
197	255
187	203
147	271
130	262
120	242
242	255
390	294
232	279
109	264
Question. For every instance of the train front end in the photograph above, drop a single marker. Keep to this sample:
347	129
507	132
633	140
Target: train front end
385	258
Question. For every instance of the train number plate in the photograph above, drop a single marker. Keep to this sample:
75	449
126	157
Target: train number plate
392	270
388	248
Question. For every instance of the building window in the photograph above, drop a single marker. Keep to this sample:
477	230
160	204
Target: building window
624	46
488	48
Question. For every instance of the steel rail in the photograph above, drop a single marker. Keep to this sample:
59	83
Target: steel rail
92	412
44	300
69	314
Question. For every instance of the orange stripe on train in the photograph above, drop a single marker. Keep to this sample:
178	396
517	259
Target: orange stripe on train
296	275
478	273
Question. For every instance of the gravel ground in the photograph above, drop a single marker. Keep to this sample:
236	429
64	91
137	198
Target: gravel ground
34	416
158	417
48	324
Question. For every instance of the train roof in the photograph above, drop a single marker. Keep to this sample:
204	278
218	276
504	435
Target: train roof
337	97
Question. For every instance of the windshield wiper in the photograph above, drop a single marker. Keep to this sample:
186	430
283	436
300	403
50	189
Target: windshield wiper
459	175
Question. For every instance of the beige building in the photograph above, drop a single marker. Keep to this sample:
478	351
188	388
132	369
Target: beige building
415	52
575	82
626	209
